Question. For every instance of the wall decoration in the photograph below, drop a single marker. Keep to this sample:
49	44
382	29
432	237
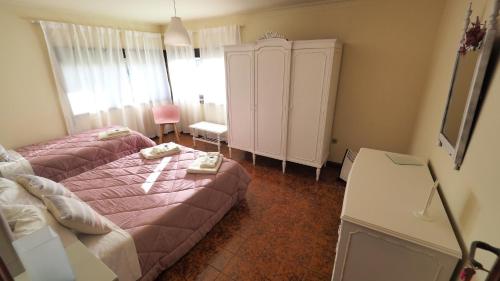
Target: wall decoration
272	35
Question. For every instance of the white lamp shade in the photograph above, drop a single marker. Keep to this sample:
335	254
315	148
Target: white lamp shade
177	34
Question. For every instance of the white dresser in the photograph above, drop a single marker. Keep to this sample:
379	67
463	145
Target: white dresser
281	98
380	237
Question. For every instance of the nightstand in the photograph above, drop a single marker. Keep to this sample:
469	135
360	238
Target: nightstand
86	266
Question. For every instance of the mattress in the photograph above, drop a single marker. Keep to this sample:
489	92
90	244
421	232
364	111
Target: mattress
69	156
165	209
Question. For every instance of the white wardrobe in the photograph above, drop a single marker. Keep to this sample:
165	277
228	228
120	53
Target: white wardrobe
281	98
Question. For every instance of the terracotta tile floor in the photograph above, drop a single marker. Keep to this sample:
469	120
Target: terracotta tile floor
286	229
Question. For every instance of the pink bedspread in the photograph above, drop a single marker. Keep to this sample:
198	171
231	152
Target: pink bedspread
166	210
69	156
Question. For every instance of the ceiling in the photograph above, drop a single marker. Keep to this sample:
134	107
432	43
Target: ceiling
158	11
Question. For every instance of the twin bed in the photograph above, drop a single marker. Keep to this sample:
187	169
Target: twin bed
69	156
158	211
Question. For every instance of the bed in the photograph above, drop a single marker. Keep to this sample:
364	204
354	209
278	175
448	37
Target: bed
164	209
72	155
116	248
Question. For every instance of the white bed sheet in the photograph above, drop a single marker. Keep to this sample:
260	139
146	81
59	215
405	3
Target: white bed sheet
117	250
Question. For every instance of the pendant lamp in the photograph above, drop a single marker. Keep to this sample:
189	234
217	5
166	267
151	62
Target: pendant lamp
176	34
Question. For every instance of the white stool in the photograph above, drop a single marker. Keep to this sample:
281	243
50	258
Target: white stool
207	127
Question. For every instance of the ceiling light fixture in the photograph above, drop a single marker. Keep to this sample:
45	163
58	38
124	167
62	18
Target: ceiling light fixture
176	34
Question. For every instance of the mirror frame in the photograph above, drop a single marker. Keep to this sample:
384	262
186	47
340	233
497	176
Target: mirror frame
457	151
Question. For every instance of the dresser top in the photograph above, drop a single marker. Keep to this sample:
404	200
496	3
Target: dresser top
383	196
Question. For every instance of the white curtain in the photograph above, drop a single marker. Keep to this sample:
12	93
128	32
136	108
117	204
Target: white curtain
191	77
147	74
212	69
97	85
185	84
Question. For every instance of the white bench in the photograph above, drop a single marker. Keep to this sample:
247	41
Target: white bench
208	128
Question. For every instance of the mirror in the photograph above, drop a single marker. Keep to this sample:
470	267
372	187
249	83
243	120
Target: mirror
458	97
470	67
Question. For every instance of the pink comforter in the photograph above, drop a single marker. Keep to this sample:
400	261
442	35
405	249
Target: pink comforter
166	210
69	156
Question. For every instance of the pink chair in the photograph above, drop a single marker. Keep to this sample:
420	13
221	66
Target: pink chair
167	114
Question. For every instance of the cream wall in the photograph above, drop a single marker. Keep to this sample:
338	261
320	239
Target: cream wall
29	105
472	192
30	110
386	56
384	62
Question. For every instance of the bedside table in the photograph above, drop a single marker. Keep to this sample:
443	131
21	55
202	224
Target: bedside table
85	265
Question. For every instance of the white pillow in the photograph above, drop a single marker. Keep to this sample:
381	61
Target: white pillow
26	219
76	215
40	186
23	219
13	193
4	155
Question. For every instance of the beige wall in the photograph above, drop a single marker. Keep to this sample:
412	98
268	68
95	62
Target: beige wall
473	192
386	56
385	60
30	109
388	47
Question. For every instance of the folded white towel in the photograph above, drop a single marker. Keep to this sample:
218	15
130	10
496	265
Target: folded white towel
195	167
114	133
210	160
160	151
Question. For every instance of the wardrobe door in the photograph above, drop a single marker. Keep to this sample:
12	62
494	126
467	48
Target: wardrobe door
240	98
272	76
308	99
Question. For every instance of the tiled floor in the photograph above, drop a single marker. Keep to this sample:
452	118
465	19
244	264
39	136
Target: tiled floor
285	230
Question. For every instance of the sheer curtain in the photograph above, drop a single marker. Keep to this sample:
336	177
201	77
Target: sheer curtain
191	78
212	69
97	86
147	74
185	84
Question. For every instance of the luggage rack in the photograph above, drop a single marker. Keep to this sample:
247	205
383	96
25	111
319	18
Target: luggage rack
207	128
